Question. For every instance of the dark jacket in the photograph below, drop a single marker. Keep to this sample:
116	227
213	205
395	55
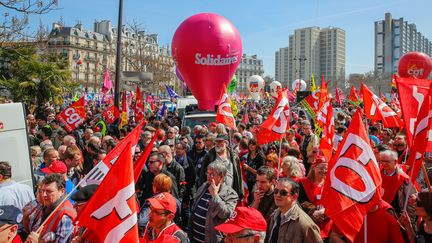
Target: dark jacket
197	160
179	174
189	170
237	178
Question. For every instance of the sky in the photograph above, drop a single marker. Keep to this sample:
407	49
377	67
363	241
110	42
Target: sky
264	25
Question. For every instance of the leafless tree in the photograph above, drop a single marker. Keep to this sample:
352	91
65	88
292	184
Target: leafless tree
16	16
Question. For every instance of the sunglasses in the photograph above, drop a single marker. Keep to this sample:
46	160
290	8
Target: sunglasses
282	192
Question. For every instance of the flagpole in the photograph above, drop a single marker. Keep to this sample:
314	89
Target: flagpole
365	228
426	177
118	56
279	157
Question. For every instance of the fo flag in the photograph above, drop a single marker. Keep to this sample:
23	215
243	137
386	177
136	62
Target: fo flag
377	110
139	107
412	93
224	112
73	116
327	139
111	114
352	184
422	138
354	96
97	174
277	123
111	213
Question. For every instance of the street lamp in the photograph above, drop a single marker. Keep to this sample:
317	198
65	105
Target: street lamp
118	56
300	59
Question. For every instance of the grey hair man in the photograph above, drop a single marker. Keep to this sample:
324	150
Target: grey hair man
214	202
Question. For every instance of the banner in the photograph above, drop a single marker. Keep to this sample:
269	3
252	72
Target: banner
111	114
74	116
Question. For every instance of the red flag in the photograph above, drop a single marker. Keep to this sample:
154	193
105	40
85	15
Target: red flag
421	137
111	213
224	113
111	114
353	183
353	96
376	109
327	139
124	112
323	93
139	164
277	123
338	98
245	185
73	116
321	116
96	175
139	107
412	92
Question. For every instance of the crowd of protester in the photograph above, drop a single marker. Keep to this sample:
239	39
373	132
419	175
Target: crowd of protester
209	183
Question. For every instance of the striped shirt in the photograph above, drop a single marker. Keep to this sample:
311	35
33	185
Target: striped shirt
199	218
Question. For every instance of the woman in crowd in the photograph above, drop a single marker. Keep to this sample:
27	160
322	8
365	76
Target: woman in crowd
424	210
311	188
272	161
161	183
255	159
291	168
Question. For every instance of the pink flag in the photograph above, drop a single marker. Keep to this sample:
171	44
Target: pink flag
107	82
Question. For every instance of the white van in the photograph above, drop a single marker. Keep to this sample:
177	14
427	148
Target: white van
183	102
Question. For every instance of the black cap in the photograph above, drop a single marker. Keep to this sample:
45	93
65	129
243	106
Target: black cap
222	137
84	194
10	215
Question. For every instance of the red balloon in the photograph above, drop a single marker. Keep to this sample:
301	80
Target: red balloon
207	49
415	64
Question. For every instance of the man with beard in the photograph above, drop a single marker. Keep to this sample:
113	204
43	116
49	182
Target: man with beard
400	146
222	153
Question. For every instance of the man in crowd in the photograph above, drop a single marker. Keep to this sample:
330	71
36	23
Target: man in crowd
190	178
155	166
11	192
213	204
245	225
209	141
174	168
60	168
289	222
263	195
57	131
400	145
222	153
161	226
59	225
81	197
309	141
395	183
10	217
197	154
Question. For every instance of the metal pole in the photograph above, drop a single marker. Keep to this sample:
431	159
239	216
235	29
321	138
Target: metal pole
118	56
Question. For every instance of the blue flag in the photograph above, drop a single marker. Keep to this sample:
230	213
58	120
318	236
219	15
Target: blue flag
171	92
161	112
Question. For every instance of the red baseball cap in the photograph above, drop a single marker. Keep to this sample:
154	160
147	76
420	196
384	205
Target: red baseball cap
213	124
243	218
55	167
165	201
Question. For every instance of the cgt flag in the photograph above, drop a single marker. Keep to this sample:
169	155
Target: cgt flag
73	116
111	114
111	213
327	140
277	123
353	183
224	112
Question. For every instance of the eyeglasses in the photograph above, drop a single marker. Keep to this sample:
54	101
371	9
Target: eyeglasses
269	160
165	212
152	161
419	203
272	148
282	192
